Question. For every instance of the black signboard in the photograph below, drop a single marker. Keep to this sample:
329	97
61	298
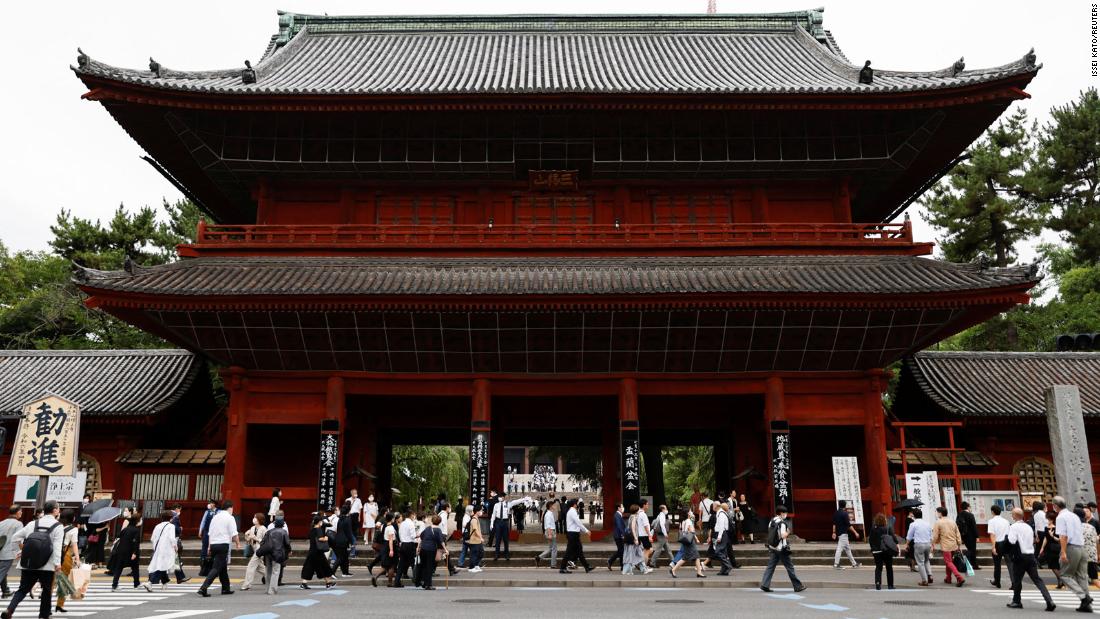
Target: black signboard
479	466
781	464
329	460
631	466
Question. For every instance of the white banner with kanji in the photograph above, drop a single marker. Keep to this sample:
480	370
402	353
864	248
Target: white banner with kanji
48	438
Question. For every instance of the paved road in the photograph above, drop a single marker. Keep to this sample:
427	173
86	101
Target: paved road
824	603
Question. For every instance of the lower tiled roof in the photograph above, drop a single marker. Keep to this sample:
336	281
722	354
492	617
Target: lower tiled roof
1003	383
920	457
102	382
320	276
173	456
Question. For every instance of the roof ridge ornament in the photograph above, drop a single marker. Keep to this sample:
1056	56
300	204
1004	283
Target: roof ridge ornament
958	67
154	66
1029	58
866	74
248	74
82	59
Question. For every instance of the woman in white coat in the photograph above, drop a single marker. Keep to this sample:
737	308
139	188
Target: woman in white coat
163	560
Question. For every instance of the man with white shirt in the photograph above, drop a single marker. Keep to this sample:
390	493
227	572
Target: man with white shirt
998	539
1073	561
406	537
705	520
660	536
222	531
1020	540
44	567
445	529
645	533
8	528
920	537
1038	517
355	510
550	532
500	523
574	551
722	535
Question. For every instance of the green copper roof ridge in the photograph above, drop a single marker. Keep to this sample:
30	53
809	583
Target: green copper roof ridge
291	23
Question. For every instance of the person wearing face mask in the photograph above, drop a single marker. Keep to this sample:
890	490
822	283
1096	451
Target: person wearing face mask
369	518
127	551
253	536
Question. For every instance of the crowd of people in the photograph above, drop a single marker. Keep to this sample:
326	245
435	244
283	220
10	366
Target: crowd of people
411	545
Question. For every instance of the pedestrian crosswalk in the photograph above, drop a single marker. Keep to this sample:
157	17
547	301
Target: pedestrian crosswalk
1030	596
100	600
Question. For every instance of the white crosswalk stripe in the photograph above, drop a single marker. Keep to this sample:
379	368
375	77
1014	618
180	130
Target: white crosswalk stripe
1063	598
101	600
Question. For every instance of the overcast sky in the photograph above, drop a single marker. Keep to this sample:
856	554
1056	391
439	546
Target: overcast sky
62	152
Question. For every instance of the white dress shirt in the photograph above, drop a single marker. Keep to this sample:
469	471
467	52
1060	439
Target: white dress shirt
445	523
1020	533
573	522
721	524
998	528
503	510
356	505
1068	524
57	540
549	521
706	503
273	507
1039	519
222	528
643	524
660	524
406	531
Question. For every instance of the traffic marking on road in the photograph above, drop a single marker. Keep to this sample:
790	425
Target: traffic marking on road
305	603
786	596
258	616
829	607
179	614
1064	599
332	592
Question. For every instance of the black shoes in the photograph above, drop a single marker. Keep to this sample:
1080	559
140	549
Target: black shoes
1014	605
203	592
765	589
227	592
800	588
995	584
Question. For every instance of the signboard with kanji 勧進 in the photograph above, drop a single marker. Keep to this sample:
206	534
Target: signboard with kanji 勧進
48	438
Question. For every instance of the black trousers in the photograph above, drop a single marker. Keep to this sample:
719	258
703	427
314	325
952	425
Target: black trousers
884	559
500	534
721	552
341	552
27	580
1002	548
618	553
1026	564
574	551
427	568
408	553
972	551
134	571
219	553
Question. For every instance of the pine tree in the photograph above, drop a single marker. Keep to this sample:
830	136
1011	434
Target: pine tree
1067	174
983	206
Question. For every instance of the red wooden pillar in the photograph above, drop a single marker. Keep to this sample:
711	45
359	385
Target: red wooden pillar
236	435
336	409
609	458
775	410
874	435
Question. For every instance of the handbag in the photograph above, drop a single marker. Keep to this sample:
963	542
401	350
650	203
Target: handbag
890	543
93	538
81	577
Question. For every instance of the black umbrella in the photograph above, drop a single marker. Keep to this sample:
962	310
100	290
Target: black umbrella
908	504
94	506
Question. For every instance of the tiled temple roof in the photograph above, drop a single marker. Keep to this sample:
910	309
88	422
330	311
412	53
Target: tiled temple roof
244	276
777	53
102	382
173	457
1002	383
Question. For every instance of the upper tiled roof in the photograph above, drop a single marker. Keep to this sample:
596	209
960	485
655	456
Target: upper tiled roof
102	382
1003	383
527	54
243	276
173	456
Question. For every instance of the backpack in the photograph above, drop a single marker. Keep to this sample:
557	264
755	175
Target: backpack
773	535
466	530
38	547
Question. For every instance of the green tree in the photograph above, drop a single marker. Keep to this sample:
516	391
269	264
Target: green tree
983	205
687	468
423	471
1067	174
40	308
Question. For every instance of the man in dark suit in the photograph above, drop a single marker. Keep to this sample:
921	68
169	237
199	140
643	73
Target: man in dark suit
968	529
619	536
180	576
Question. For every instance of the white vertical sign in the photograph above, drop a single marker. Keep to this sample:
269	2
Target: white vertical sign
931	496
914	488
949	502
846	485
